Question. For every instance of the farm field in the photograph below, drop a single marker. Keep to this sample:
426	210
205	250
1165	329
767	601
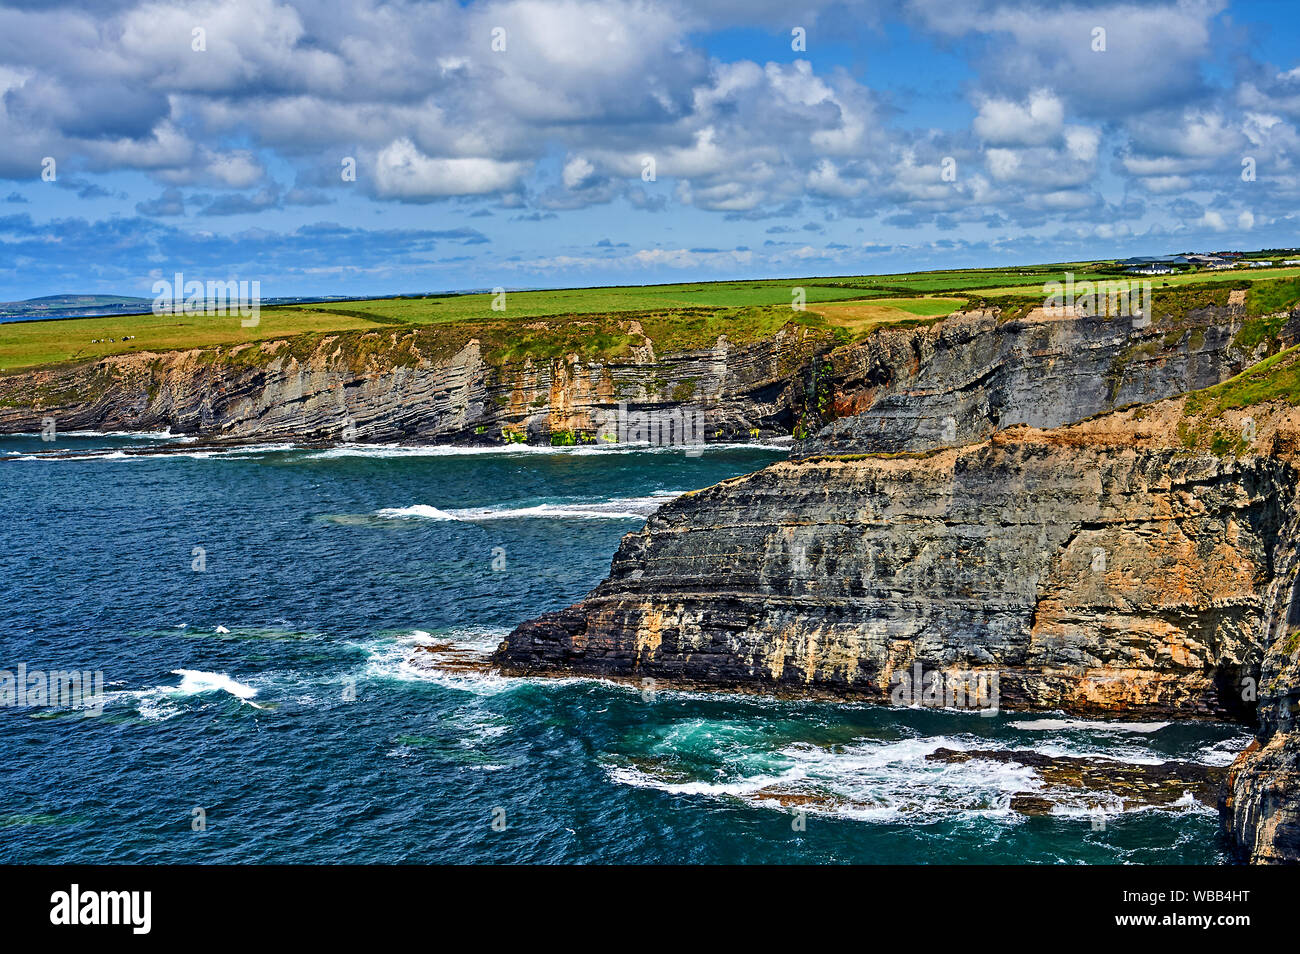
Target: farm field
585	301
734	294
859	316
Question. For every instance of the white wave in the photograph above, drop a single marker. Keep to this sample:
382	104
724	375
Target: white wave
396	658
1131	754
101	455
1224	752
158	703
449	450
619	508
1087	725
1109	804
636	778
241	452
165	434
422	511
869	780
196	681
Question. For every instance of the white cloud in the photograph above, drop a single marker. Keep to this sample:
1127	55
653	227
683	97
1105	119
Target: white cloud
1038	121
402	171
577	171
1213	220
417	94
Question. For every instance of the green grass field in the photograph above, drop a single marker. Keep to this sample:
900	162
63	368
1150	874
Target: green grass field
590	301
853	304
24	344
1157	281
1276	378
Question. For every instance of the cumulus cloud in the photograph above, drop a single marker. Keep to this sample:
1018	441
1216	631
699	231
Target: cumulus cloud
1037	121
402	171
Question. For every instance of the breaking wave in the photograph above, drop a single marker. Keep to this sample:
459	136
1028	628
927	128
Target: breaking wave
618	508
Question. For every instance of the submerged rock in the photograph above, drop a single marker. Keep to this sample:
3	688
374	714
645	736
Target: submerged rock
1075	782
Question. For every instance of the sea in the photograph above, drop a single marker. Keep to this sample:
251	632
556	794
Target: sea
260	619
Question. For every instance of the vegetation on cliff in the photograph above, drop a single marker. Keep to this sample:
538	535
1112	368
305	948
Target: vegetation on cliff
1276	378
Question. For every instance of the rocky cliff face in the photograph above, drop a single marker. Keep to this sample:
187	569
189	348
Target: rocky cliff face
395	385
1094	569
1093	577
1261	804
900	389
972	374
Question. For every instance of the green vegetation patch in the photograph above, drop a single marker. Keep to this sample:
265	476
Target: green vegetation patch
1274	379
1172	307
1271	297
544	303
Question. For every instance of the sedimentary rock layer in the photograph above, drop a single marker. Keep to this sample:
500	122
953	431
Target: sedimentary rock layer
388	386
901	388
1093	577
973	374
1262	801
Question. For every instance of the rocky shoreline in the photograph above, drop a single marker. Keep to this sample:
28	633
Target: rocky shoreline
1025	495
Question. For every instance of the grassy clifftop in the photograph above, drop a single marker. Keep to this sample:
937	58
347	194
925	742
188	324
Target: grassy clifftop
593	320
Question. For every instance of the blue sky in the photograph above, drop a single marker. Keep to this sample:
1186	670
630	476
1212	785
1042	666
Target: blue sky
210	138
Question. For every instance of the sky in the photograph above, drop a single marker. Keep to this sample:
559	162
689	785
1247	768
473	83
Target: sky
372	147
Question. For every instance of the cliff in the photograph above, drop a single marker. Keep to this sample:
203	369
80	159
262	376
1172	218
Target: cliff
1140	562
1093	575
972	374
545	381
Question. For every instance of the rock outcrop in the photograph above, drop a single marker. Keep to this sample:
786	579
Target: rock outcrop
976	373
1261	803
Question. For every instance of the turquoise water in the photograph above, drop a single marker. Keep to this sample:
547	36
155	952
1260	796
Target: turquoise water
315	729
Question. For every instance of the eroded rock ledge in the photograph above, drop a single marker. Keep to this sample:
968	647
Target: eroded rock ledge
1097	579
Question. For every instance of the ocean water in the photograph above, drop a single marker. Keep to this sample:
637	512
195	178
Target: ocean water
277	706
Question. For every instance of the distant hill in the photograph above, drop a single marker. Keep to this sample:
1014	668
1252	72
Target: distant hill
100	306
68	306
